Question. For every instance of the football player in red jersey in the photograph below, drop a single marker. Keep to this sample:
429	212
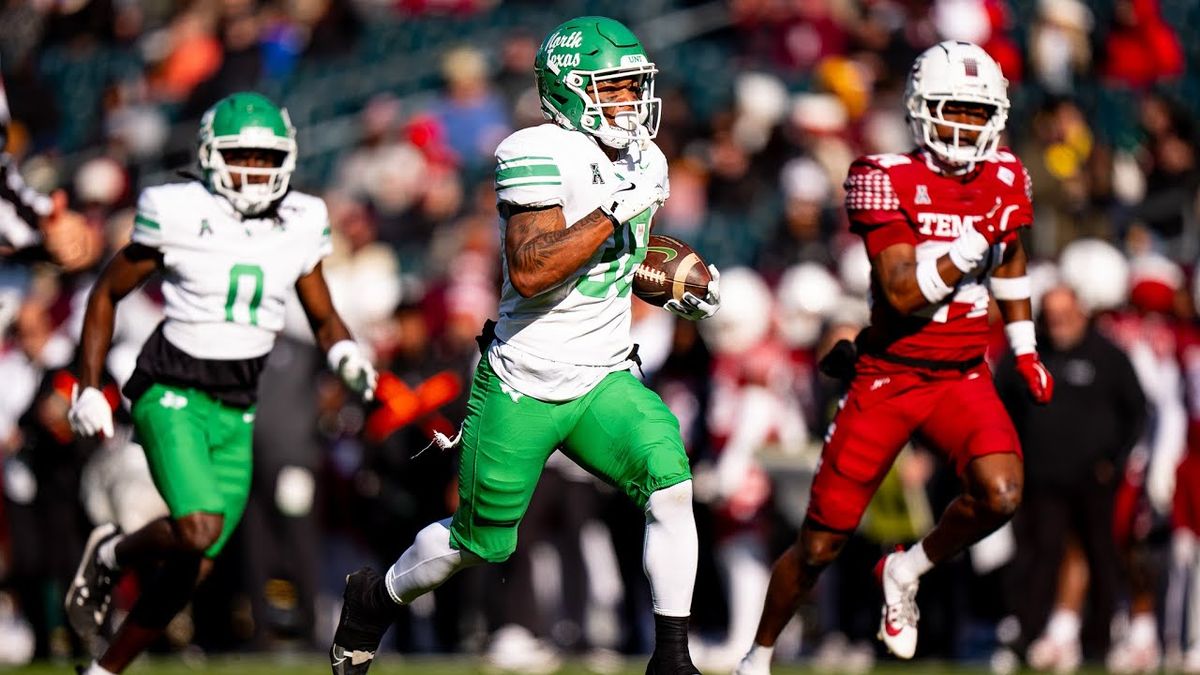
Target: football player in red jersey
940	226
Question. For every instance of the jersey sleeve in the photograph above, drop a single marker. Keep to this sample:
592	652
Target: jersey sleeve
528	172
323	245
148	221
1015	187
874	209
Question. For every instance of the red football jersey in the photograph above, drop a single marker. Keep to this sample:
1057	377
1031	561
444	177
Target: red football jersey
893	199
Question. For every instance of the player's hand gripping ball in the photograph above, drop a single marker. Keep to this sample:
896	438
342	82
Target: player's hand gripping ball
675	277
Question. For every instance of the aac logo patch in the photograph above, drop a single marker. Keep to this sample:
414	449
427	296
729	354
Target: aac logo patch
597	178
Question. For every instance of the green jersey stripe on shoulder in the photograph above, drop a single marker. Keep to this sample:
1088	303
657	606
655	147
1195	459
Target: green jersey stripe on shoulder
145	222
326	232
521	185
527	172
513	160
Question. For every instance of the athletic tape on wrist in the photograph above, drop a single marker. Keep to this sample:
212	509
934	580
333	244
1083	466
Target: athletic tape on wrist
929	280
1013	288
339	351
1022	338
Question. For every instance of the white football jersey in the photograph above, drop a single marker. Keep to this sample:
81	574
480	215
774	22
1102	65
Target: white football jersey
226	279
560	343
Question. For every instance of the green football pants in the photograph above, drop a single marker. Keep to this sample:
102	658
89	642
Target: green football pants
199	451
620	431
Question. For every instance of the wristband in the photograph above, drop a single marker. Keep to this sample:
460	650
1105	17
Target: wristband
930	281
1011	288
1021	337
340	350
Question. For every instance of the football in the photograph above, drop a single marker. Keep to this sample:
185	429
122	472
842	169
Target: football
671	268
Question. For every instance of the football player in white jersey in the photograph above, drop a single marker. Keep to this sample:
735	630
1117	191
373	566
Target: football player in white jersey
230	248
576	197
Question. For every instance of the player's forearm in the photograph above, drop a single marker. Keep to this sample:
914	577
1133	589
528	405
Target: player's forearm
97	336
1015	310
330	332
547	259
908	293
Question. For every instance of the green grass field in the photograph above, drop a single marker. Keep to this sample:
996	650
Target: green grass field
315	665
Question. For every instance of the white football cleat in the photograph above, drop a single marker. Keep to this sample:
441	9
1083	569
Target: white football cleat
748	667
1191	661
1129	657
1059	656
898	625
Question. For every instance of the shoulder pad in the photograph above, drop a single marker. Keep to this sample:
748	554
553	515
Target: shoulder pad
869	187
886	160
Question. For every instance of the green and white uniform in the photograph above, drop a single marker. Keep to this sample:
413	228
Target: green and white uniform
226	278
557	373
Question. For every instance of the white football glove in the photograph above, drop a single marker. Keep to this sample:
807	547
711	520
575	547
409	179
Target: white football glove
630	199
693	308
354	368
90	413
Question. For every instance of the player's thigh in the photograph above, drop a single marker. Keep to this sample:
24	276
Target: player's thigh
231	435
626	435
969	421
506	439
171	428
860	448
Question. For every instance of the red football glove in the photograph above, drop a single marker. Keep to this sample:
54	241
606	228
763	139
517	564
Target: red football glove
1037	377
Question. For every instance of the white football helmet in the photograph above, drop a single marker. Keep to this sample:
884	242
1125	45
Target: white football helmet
956	71
748	322
807	294
1097	272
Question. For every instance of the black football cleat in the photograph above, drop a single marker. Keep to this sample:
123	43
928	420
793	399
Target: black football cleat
90	593
679	664
361	625
671	655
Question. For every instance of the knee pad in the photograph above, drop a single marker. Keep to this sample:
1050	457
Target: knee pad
670	502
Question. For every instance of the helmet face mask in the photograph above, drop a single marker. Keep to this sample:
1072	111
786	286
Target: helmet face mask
572	64
956	72
247	121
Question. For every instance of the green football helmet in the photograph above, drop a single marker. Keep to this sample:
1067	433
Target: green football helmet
575	58
246	121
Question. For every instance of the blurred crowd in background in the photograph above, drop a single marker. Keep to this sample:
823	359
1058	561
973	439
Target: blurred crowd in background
399	105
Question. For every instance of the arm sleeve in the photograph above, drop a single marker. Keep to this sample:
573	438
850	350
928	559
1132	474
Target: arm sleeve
874	209
528	173
324	243
147	222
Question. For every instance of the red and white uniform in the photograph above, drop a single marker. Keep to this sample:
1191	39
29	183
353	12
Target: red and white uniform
920	375
753	405
1186	509
1153	342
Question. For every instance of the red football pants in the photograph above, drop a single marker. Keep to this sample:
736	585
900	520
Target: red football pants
959	416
